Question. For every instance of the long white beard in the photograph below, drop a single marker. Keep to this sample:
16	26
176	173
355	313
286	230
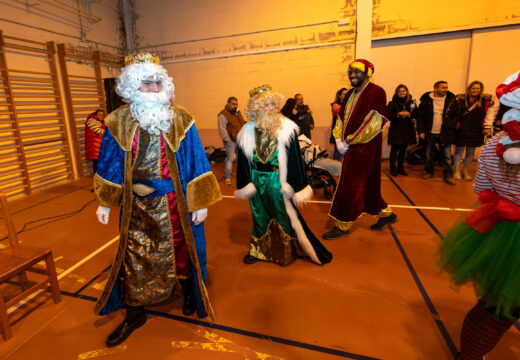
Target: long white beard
152	111
270	121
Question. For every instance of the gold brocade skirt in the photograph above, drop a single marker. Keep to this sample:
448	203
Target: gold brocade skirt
149	265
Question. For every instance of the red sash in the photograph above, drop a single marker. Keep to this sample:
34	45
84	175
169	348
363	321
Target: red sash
493	208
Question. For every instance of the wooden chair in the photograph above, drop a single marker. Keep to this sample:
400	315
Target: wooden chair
16	261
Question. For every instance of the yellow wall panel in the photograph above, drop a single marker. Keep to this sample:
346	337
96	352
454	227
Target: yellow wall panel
405	17
420	62
495	55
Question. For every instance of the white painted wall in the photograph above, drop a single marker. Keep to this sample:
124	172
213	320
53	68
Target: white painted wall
44	22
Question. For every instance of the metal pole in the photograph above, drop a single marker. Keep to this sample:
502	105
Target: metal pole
128	26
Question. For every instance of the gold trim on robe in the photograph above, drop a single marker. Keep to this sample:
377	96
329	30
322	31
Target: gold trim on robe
369	129
202	192
122	126
188	234
108	193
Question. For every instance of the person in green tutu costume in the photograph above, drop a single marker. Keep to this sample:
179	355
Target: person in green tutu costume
485	248
271	175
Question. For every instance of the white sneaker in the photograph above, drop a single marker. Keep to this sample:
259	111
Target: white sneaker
456	173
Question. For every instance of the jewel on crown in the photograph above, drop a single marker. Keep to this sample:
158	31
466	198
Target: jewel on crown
142	58
260	89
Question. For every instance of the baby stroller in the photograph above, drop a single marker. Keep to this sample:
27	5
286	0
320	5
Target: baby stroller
318	167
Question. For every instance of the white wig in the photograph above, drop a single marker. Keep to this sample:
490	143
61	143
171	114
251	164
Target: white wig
132	75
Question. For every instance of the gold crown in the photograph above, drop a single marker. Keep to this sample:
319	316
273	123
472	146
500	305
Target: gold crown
142	58
260	89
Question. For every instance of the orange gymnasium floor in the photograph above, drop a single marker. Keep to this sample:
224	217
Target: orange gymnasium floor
382	297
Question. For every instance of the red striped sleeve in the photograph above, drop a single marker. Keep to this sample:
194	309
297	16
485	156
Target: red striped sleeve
491	176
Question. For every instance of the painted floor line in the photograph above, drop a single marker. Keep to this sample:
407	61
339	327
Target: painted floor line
391	205
425	218
63	274
242	332
424	294
87	258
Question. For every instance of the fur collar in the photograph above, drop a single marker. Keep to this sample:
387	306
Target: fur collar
288	132
246	136
122	126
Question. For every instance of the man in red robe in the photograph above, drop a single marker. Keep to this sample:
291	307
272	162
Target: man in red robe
358	138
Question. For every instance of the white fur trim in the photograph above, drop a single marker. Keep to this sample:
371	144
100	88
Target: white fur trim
246	192
247	142
302	196
246	139
287	191
288	132
304	242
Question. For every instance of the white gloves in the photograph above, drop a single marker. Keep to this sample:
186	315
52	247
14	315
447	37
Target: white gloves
198	216
102	214
341	146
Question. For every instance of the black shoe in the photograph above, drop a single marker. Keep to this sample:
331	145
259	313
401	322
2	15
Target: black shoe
123	331
249	259
188	306
394	173
402	172
427	176
335	233
448	181
384	222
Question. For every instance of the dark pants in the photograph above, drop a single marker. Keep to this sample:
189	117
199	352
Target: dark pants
94	165
433	141
336	155
397	154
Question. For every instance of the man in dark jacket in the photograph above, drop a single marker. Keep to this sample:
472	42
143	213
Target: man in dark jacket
304	116
436	123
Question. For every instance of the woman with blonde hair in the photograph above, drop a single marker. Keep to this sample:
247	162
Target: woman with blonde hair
477	113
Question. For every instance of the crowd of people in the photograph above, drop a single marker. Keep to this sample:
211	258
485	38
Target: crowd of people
446	126
151	164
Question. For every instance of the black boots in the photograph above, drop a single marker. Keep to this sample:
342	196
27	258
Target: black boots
335	233
249	259
384	222
135	318
188	307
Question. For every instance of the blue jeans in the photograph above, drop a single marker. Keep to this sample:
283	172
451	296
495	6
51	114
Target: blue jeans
230	154
457	155
433	141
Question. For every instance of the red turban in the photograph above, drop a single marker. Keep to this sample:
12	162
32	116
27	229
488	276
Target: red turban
364	66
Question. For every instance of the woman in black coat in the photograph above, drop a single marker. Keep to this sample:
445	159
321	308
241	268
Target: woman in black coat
289	111
401	111
475	107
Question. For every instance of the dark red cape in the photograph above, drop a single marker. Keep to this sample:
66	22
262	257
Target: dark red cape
359	188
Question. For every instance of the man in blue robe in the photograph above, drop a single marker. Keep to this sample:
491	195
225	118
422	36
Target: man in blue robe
152	165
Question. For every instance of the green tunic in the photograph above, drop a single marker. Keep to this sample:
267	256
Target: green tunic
273	238
279	232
